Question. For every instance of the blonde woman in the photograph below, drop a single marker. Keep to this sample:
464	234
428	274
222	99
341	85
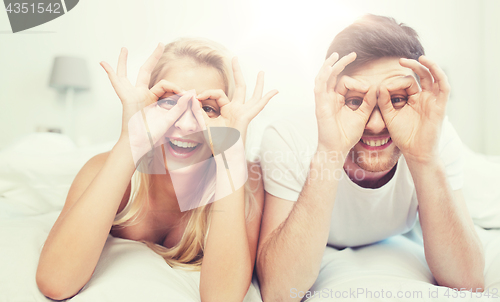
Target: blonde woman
191	84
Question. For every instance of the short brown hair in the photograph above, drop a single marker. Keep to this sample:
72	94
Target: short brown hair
373	37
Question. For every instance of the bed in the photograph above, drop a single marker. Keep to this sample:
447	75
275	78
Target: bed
37	170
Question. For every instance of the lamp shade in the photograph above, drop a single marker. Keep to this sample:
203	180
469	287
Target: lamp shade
70	72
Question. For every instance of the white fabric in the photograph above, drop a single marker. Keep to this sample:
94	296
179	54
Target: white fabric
482	189
35	175
129	271
395	270
360	216
45	164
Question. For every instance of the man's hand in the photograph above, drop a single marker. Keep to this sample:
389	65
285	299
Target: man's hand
340	126
415	127
414	119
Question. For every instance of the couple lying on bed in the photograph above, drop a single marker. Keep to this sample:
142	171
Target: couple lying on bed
378	152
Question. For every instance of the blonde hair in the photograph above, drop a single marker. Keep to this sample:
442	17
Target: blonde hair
188	252
201	51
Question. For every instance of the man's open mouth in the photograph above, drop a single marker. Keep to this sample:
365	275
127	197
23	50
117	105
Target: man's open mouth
376	143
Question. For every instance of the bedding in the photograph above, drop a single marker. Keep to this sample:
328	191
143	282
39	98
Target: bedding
395	270
36	173
126	271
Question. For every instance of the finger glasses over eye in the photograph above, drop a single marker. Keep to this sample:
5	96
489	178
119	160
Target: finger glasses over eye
398	101
209	106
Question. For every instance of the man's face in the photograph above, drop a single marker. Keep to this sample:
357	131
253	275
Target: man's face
376	152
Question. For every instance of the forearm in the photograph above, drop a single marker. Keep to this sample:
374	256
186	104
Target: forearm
453	250
291	257
226	270
76	240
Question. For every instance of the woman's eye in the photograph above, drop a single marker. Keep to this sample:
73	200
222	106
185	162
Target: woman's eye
398	102
354	103
211	112
167	103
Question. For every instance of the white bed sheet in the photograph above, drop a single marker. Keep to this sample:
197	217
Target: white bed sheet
126	271
397	267
36	173
35	176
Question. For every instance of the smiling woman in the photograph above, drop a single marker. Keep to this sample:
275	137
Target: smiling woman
195	66
182	89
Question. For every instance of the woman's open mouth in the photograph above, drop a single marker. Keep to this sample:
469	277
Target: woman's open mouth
181	148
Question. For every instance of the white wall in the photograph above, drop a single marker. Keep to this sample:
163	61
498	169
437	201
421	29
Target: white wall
287	41
491	78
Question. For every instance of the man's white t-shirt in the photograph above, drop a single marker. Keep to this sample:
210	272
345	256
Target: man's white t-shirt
360	215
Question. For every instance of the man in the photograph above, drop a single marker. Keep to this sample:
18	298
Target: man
379	152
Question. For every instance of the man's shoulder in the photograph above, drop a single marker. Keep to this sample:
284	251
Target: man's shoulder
297	129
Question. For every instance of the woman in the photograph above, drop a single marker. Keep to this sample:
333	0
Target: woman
193	82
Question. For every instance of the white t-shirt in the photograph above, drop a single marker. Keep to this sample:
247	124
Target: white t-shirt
360	215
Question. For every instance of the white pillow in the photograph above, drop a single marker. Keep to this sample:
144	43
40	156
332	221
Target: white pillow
482	188
127	271
46	164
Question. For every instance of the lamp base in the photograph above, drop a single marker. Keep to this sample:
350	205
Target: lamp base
68	112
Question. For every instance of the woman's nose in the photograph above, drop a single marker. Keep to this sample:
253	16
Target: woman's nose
376	123
187	122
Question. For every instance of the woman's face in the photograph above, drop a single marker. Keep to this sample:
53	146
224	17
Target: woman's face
185	143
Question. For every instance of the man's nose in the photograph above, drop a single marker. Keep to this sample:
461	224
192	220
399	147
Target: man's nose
376	122
187	122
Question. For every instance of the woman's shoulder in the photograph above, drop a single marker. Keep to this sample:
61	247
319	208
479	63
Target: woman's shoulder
90	170
95	163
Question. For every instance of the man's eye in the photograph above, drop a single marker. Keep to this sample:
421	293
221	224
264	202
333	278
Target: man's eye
354	103
167	103
211	112
398	102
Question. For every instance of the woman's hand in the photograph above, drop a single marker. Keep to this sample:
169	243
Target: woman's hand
340	124
237	113
415	128
134	98
148	126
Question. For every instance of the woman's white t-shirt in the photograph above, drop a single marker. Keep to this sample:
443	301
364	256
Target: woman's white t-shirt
360	215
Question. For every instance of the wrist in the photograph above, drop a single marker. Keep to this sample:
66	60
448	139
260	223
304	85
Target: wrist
123	150
331	159
429	159
242	129
324	169
123	142
331	155
419	166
